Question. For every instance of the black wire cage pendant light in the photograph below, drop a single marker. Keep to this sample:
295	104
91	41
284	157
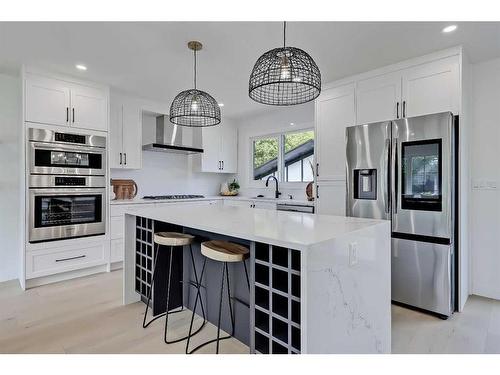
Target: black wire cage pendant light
284	76
193	107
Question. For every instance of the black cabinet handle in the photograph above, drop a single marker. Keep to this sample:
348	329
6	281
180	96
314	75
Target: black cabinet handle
120	158
72	258
222	164
219	165
67	114
317	191
404	108
317	169
397	110
125	158
73	115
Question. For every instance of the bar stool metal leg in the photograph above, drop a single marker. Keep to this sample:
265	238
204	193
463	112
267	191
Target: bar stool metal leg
220	307
198	289
246	274
198	295
225	275
231	313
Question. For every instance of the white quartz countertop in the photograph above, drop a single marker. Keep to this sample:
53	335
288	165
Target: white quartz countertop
211	198
281	228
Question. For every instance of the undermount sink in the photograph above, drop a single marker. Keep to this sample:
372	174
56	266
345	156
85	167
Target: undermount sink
266	198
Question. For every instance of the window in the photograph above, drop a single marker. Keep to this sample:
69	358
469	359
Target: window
287	156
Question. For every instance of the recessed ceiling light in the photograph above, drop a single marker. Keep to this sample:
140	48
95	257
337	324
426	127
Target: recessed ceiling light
292	123
80	67
221	104
449	29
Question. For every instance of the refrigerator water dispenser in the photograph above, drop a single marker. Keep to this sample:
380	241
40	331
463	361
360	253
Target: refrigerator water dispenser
365	184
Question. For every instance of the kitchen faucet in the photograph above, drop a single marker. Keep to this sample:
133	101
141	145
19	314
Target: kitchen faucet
276	193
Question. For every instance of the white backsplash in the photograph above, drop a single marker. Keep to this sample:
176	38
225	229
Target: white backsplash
168	173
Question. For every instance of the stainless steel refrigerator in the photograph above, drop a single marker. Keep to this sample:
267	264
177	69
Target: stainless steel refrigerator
404	171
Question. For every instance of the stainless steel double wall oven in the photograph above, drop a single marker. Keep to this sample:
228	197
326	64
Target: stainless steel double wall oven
404	171
67	185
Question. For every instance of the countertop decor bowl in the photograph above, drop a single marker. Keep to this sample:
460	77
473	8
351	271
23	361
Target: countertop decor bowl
229	193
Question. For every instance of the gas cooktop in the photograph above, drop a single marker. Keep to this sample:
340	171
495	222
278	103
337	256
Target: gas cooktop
177	196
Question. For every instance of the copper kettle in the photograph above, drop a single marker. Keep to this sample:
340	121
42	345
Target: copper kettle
124	189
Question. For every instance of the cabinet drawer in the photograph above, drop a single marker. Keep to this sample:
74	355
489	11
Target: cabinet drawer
116	251
116	224
52	261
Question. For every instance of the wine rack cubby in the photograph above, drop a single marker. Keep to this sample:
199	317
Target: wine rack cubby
276	300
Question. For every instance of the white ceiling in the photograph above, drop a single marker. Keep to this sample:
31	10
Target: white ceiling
151	59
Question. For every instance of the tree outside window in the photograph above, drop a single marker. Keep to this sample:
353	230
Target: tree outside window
288	155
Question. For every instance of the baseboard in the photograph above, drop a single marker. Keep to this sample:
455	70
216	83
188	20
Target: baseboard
31	283
116	266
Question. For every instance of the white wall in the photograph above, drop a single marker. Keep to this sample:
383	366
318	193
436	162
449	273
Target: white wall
485	169
10	102
273	121
168	173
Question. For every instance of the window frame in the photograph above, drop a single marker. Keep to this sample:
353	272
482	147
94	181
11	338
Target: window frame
281	171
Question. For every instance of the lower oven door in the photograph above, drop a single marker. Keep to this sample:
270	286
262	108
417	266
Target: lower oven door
66	213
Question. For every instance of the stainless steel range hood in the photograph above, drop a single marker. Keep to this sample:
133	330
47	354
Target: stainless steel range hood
169	139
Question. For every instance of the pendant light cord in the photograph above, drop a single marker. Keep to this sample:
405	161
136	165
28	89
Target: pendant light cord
195	69
284	34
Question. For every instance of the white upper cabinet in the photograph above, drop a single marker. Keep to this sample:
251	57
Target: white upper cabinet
115	134
125	145
47	101
334	112
424	89
57	102
229	149
132	136
219	145
209	161
89	108
378	99
432	88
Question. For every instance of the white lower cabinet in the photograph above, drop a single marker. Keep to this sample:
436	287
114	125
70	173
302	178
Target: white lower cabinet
56	260
264	205
238	203
250	203
116	250
330	198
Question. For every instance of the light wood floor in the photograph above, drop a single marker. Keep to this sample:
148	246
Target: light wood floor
86	316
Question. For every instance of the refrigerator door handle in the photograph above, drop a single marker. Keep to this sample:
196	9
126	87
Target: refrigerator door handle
387	161
395	179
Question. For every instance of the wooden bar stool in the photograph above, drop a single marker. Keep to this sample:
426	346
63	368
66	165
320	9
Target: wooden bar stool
179	240
224	252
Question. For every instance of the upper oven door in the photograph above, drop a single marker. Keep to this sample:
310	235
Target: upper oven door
423	151
49	158
65	213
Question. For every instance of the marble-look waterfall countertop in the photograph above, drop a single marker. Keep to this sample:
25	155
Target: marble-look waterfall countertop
300	202
287	229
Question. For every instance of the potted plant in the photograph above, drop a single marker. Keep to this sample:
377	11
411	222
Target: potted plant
234	187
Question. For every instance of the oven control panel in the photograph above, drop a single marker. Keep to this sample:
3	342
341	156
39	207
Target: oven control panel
70	181
70	138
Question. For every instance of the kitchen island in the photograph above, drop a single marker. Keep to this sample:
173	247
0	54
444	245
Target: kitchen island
319	284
